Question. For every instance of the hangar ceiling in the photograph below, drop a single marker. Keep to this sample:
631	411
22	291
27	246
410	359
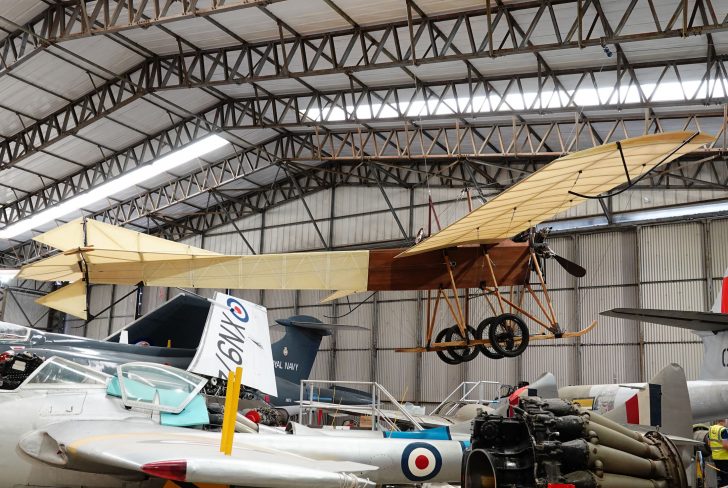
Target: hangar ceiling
321	93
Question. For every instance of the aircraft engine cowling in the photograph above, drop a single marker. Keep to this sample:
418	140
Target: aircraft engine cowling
556	442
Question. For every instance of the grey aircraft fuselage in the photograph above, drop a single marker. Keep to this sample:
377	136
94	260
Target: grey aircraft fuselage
106	356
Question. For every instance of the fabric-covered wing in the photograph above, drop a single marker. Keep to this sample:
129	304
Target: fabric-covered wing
545	193
124	448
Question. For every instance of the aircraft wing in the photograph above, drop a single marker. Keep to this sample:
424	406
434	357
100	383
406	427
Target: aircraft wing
124	448
561	185
701	321
424	420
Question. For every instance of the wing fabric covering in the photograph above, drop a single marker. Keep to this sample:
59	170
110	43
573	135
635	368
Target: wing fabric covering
117	448
107	254
545	193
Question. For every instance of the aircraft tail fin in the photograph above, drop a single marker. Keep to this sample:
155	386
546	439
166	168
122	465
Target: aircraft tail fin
295	353
663	402
178	322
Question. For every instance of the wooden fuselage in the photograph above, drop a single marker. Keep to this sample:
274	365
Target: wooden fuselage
429	271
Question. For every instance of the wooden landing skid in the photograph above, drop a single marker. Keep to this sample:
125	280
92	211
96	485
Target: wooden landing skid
442	346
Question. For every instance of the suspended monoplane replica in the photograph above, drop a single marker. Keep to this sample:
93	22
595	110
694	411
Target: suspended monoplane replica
493	249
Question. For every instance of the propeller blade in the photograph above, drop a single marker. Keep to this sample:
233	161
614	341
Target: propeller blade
570	266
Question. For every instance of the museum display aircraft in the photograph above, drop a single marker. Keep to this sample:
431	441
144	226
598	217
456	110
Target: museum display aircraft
709	394
67	425
493	249
180	323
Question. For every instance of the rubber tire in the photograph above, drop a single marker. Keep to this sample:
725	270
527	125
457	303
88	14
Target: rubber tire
481	333
469	353
445	356
493	333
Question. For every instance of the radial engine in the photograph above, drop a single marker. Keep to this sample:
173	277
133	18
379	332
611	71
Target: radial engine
553	443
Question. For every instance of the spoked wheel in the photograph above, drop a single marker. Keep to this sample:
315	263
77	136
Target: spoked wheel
482	333
462	353
446	356
508	335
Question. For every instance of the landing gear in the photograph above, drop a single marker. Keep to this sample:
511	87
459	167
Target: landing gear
508	335
482	333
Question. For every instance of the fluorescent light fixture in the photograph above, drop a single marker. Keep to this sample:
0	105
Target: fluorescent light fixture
640	216
8	274
122	182
626	93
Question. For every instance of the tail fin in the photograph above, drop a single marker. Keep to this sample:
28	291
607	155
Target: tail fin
721	300
179	322
663	402
295	353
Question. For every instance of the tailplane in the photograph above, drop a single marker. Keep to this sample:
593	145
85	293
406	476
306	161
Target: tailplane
711	327
295	353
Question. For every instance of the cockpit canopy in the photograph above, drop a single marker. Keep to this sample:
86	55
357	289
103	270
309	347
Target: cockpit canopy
57	372
155	386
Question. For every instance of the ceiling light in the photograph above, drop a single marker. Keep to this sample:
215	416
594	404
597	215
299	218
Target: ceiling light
105	190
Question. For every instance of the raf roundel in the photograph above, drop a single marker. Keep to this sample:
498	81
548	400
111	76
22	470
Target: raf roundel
237	309
421	462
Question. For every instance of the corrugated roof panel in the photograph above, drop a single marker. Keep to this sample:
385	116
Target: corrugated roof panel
20	12
12	122
77	150
56	76
190	99
111	134
203	35
27	100
144	116
102	51
249	24
237	90
253	136
308	17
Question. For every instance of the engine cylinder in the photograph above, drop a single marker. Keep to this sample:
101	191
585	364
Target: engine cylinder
552	442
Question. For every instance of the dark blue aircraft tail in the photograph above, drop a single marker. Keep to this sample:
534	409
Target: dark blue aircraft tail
295	353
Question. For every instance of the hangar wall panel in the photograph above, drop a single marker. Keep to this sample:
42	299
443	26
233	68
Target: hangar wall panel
671	252
21	309
397	372
719	247
482	368
398	320
608	257
609	364
610	330
682	295
557	358
689	355
438	380
353	365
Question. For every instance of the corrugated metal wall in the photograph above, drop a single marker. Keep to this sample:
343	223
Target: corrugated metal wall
676	265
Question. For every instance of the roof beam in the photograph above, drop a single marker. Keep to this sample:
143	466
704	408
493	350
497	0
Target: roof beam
470	97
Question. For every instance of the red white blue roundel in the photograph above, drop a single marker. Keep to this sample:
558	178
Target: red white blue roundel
421	461
237	309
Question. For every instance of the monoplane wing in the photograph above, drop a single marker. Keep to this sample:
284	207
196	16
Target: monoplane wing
126	448
562	184
701	321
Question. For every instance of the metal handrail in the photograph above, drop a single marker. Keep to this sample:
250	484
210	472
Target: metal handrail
377	391
464	397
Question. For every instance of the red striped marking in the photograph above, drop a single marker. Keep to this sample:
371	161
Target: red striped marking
633	410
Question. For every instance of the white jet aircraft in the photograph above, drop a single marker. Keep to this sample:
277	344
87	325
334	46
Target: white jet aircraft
708	395
70	426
